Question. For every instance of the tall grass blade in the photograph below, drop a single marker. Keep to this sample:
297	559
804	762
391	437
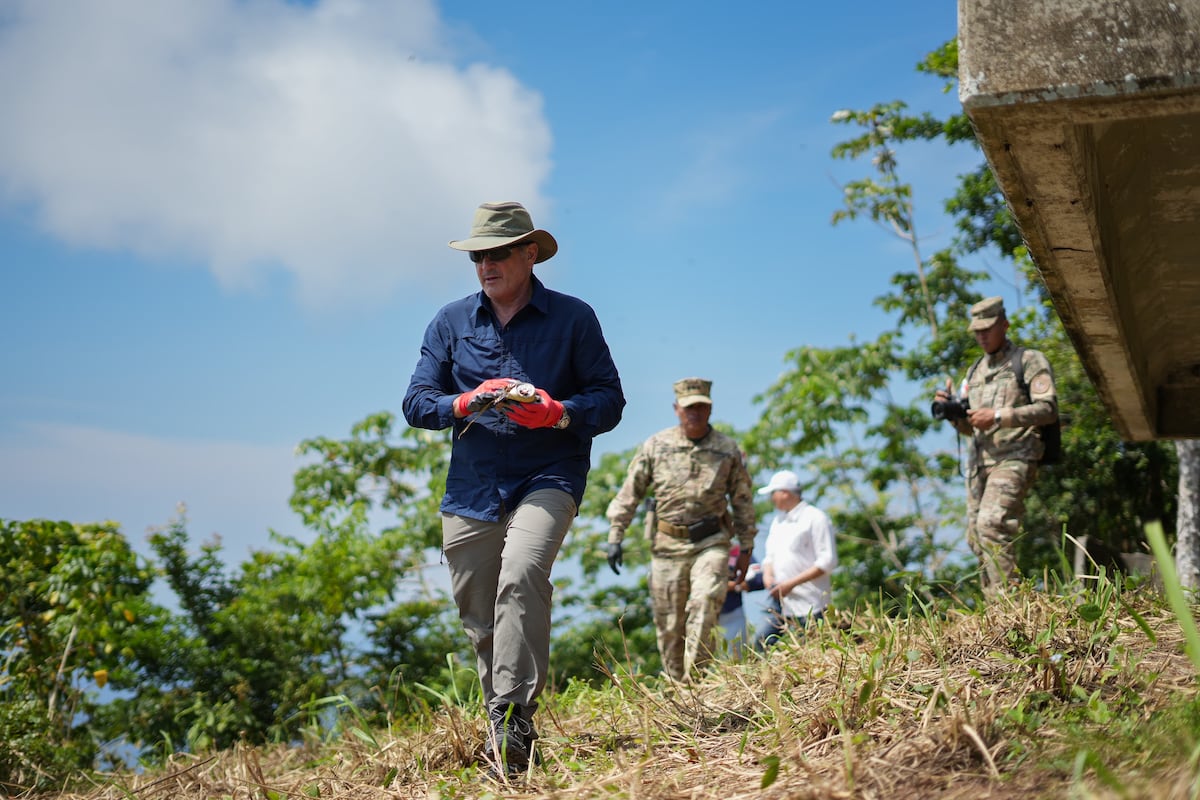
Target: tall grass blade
1175	596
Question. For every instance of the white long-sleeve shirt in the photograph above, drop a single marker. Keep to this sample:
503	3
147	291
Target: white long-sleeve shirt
799	539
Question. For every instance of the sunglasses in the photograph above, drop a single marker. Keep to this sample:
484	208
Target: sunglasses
495	254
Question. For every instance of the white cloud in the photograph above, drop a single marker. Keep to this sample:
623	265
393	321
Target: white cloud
86	474
339	142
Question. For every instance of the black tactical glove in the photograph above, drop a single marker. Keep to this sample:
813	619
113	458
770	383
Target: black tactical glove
615	556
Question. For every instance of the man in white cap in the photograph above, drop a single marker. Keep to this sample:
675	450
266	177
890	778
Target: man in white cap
696	475
524	377
800	555
1010	396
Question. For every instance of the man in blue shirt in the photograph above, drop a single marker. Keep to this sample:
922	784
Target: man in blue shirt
520	453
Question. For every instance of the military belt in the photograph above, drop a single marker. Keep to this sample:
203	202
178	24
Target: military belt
695	531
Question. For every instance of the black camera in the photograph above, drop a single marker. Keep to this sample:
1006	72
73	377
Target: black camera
951	409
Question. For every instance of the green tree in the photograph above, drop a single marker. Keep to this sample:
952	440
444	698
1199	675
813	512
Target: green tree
857	416
72	601
400	478
251	649
248	652
1105	488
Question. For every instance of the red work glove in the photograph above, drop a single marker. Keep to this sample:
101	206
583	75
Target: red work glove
541	413
462	403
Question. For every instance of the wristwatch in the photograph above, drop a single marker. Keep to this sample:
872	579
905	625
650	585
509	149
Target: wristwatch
563	421
1000	418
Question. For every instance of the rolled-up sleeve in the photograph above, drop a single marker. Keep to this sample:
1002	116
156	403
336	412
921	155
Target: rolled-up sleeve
823	543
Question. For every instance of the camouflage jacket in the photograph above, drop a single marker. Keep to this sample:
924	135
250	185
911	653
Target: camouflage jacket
992	384
689	480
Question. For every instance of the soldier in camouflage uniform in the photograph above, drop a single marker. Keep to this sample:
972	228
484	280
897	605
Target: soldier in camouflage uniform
696	475
1006	445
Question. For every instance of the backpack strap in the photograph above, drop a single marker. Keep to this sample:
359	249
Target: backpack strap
975	366
1018	368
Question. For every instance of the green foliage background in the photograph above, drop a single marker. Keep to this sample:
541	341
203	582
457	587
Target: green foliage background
256	652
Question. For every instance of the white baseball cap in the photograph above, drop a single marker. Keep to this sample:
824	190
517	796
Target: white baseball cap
785	480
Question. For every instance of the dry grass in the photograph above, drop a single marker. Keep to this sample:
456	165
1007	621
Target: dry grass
1042	696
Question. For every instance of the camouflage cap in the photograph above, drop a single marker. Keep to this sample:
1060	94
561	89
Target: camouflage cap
985	313
690	391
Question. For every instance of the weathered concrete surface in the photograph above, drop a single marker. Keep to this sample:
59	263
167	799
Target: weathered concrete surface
1089	114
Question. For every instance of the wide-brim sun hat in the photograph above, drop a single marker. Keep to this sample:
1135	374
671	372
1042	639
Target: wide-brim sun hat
784	480
507	223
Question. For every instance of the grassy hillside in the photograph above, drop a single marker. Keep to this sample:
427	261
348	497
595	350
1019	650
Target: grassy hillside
1081	694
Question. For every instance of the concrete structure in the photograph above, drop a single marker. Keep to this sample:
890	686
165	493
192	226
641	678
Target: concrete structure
1089	114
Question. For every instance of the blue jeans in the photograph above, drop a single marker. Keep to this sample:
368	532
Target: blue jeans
777	625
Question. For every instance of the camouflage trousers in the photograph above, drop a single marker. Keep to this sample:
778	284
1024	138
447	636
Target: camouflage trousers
687	592
995	506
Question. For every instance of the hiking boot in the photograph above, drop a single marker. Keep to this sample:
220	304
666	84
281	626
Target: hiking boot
511	738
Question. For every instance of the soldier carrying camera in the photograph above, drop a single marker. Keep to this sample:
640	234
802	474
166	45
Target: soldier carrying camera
1005	399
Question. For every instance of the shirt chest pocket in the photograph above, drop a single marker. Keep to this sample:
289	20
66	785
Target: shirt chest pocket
480	342
998	390
688	471
706	468
477	356
802	545
989	394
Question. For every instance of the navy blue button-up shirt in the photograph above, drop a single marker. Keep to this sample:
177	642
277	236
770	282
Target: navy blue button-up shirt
556	344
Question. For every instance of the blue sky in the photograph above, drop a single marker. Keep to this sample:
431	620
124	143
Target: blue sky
223	225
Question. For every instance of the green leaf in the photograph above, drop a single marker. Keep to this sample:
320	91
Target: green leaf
771	772
365	736
864	691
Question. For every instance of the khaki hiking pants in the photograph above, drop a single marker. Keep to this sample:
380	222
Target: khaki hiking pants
500	578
